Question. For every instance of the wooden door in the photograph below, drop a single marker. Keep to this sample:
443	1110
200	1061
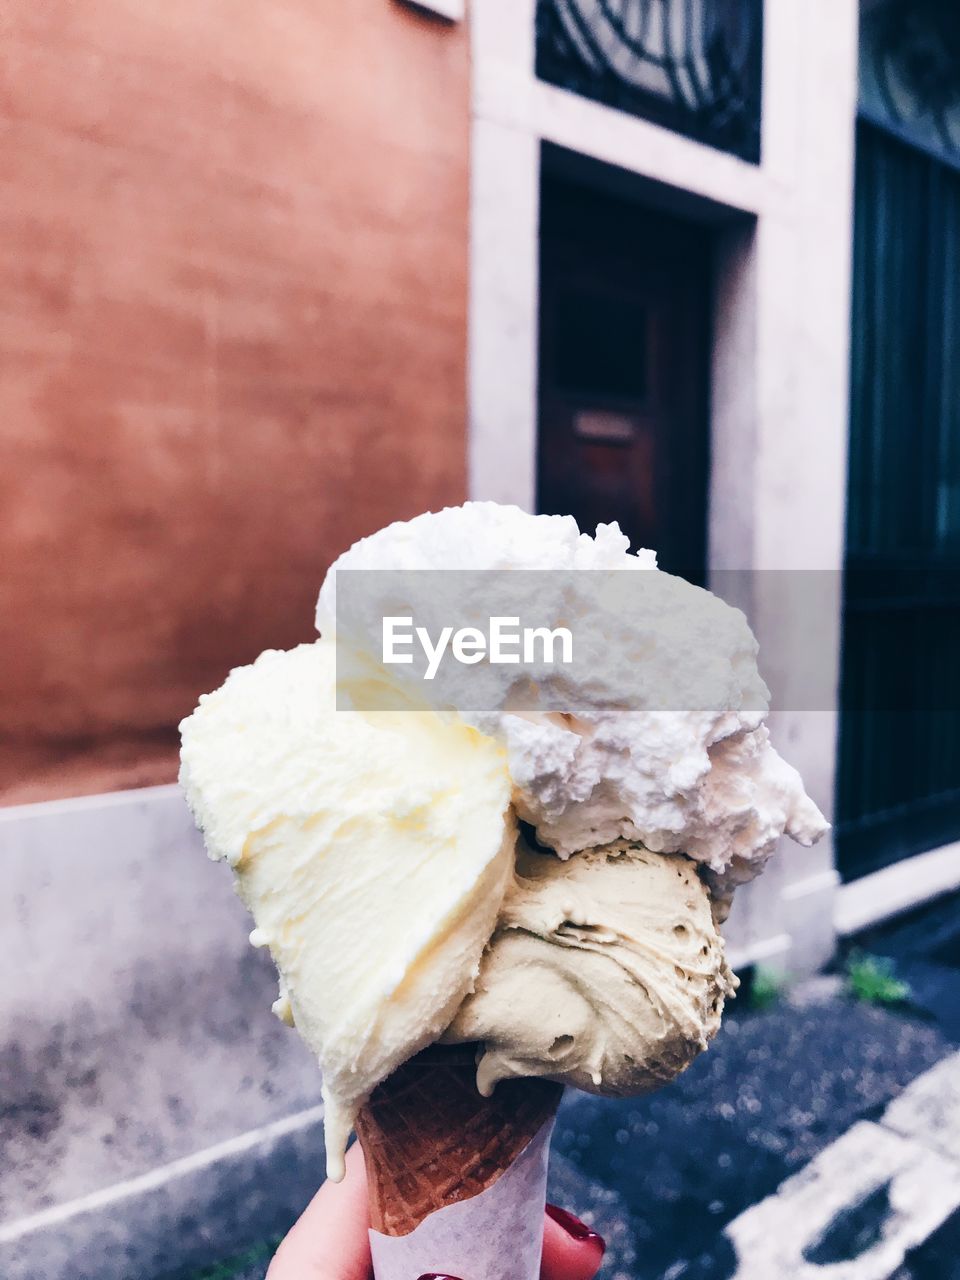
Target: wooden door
624	304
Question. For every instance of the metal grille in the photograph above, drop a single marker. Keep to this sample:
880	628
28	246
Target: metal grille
694	66
910	73
899	775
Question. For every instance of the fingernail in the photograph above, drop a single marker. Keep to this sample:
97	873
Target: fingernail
575	1228
433	1275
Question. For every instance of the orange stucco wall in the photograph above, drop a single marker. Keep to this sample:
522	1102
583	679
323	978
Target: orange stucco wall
233	243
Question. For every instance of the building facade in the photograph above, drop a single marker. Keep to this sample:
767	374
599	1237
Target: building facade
578	255
685	175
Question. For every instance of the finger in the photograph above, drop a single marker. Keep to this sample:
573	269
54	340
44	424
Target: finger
330	1241
571	1250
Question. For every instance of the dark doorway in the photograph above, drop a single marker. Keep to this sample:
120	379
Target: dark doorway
624	352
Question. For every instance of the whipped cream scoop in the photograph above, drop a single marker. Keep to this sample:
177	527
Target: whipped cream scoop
660	738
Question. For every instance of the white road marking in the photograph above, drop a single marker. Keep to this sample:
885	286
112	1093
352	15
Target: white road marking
912	1151
924	1189
929	1108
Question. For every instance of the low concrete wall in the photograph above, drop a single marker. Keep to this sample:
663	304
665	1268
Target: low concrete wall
98	884
136	1023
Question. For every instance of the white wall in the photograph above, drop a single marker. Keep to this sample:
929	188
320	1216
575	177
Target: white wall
780	361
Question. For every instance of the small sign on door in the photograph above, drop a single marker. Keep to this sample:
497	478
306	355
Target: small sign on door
604	426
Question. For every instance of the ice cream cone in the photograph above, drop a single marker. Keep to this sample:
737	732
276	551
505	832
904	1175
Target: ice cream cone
430	1140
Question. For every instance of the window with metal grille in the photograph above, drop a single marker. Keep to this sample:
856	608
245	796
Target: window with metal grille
694	66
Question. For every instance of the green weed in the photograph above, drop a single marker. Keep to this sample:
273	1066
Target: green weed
873	979
767	987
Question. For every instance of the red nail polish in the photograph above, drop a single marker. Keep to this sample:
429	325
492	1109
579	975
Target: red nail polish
433	1275
575	1228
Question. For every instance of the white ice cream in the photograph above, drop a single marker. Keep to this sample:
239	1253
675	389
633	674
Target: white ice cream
374	848
622	762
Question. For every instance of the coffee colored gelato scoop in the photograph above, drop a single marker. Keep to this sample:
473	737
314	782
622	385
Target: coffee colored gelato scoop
606	971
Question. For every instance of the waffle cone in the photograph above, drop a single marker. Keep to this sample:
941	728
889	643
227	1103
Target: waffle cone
430	1140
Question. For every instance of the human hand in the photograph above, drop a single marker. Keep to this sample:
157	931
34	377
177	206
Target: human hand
330	1240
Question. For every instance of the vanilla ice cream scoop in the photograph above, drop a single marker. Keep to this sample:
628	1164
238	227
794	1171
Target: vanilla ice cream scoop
606	972
373	851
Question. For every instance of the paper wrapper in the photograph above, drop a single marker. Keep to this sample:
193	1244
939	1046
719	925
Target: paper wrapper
495	1235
